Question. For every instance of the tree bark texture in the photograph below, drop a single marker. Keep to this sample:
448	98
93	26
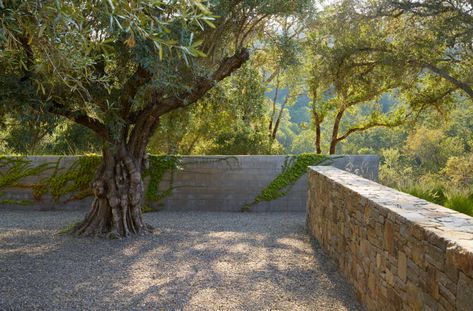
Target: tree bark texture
118	197
318	148
336	127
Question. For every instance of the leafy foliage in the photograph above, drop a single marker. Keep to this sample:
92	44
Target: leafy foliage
16	168
228	120
293	169
158	167
461	204
107	65
459	170
350	72
436	196
435	35
74	180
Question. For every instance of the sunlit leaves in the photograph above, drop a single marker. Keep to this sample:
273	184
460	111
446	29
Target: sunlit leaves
81	59
75	35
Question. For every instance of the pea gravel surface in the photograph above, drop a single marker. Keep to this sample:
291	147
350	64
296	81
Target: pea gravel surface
193	261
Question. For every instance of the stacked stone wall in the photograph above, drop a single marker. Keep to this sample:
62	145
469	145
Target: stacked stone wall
399	252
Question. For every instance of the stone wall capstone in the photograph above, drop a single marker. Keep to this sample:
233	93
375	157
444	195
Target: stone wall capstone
398	251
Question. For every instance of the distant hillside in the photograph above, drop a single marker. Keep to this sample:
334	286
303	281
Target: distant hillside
300	111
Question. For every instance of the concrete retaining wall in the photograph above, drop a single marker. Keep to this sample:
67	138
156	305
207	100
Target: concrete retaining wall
399	252
214	183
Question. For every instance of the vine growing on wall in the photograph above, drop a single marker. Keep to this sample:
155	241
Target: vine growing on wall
13	170
158	167
73	183
295	166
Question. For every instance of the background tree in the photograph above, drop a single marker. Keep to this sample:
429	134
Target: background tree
434	35
350	73
116	67
431	148
280	59
26	130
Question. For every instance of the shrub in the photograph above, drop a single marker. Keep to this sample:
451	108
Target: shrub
440	197
460	203
460	170
435	195
424	194
455	200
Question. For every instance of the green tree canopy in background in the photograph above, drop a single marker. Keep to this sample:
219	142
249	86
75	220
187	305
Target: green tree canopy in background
230	119
350	73
434	35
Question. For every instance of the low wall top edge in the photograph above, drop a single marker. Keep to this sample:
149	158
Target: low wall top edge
455	227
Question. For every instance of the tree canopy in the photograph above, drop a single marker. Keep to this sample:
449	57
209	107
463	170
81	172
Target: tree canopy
116	67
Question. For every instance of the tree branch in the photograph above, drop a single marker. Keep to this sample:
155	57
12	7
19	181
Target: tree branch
462	85
367	127
129	90
204	84
150	114
29	57
80	118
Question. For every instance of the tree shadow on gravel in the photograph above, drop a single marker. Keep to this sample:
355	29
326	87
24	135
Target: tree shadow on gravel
224	262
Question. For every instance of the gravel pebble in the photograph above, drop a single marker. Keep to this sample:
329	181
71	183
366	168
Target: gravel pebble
193	261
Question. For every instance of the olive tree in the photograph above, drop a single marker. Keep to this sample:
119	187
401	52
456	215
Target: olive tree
116	67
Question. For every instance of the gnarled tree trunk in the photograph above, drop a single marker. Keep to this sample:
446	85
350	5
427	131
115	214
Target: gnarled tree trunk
118	196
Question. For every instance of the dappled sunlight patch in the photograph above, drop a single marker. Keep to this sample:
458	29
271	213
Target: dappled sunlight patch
142	248
240	248
12	242
225	268
233	235
293	243
220	300
34	250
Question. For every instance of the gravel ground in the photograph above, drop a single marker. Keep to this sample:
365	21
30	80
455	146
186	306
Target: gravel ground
194	261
